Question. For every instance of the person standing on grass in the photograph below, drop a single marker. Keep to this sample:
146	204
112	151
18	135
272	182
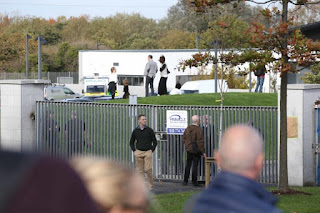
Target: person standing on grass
113	82
143	142
260	72
194	143
162	88
150	72
235	188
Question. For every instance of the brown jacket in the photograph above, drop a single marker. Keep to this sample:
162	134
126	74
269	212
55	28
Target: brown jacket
193	133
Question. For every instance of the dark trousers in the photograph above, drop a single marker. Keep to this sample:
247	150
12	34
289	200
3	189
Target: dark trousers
194	160
112	88
149	81
162	89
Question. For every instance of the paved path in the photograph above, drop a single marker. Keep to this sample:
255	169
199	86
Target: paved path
161	187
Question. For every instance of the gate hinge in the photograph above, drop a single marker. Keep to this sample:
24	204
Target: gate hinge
316	147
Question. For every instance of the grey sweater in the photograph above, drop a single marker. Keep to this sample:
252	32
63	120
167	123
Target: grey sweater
151	69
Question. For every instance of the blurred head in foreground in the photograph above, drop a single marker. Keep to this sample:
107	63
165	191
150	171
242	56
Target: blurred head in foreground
114	187
241	151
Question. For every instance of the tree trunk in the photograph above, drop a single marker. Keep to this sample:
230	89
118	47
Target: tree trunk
283	179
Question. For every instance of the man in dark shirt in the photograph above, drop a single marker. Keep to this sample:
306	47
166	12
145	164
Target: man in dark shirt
194	143
143	142
51	133
75	133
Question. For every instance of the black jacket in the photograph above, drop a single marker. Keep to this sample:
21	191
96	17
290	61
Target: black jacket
145	139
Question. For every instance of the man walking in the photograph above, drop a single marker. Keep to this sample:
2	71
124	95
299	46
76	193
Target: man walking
143	142
194	143
235	188
150	73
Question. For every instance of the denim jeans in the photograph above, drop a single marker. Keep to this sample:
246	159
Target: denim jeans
260	80
149	81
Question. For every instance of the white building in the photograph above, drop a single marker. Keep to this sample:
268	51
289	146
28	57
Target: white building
130	65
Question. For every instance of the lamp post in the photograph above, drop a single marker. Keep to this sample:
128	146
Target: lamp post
40	42
27	56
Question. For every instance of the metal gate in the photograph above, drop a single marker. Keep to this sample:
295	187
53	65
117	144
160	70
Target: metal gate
67	129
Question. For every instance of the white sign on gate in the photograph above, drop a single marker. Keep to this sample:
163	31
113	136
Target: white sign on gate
177	121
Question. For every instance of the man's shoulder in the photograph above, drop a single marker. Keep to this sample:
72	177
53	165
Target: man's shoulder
218	200
148	128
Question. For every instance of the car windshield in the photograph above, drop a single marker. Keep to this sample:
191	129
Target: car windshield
99	88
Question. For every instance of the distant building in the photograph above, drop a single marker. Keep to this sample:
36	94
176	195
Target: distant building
311	31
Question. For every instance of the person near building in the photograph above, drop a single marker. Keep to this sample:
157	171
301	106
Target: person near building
150	72
143	142
162	88
194	143
260	72
176	90
235	188
126	89
113	80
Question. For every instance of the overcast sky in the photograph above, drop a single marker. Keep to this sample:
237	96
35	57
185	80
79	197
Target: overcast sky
155	9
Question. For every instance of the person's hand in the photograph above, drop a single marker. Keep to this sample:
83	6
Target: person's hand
204	155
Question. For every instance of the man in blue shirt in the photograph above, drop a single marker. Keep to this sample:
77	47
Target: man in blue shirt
235	188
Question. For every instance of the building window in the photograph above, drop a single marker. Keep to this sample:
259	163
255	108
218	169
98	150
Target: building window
134	80
115	64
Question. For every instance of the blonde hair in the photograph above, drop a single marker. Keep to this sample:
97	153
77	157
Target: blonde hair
108	182
112	69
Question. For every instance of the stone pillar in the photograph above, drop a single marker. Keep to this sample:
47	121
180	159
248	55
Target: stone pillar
301	133
18	103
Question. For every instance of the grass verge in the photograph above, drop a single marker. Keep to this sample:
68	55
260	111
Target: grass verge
210	99
174	202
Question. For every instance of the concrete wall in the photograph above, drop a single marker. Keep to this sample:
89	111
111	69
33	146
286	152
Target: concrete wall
18	101
301	133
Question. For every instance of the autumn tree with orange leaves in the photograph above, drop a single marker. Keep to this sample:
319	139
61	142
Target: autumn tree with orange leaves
275	45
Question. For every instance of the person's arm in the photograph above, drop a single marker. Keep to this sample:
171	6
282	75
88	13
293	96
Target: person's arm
65	132
146	70
162	67
132	140
200	141
154	140
86	133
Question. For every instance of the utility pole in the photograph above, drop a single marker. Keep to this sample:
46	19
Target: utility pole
40	42
27	56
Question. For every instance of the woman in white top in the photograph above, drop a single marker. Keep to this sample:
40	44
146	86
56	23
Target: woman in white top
113	80
162	89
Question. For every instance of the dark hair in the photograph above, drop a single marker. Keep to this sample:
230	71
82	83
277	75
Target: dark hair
150	56
178	85
112	68
125	82
141	115
162	57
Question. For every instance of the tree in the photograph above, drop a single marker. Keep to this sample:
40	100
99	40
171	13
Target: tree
274	38
229	30
177	39
305	14
314	76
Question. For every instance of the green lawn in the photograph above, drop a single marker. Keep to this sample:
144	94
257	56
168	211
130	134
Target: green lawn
230	99
174	202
